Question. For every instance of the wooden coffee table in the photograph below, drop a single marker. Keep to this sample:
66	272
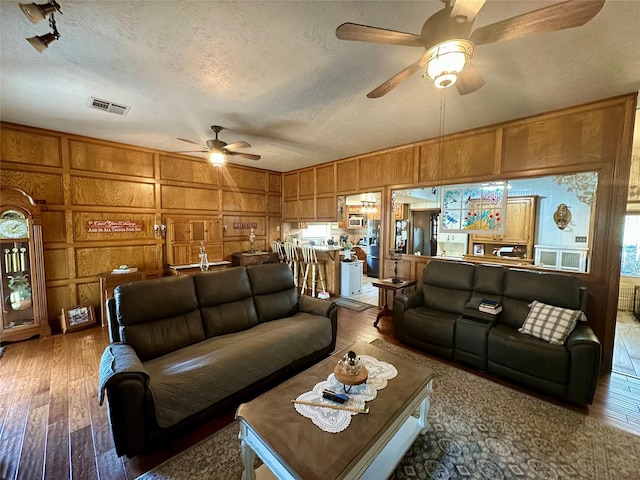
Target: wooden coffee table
292	447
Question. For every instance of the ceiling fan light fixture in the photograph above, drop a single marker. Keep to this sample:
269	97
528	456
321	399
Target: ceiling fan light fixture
216	158
446	60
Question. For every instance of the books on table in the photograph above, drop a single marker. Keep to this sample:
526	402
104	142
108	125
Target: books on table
490	306
125	270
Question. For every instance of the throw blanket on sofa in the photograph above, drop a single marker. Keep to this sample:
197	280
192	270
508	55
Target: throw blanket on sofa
118	358
190	379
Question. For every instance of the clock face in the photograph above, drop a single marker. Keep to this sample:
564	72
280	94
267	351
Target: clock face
14	228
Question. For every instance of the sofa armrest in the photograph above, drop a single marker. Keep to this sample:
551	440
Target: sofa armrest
314	305
408	300
324	308
401	304
586	351
119	359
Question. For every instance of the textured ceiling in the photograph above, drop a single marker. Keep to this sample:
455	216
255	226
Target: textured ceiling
276	76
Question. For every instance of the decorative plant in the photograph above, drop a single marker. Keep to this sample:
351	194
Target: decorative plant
347	245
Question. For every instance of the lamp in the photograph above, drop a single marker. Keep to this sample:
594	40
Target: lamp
446	60
217	158
41	42
159	230
395	255
35	12
562	216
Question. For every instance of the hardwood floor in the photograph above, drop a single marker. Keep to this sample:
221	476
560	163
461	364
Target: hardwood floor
626	349
51	425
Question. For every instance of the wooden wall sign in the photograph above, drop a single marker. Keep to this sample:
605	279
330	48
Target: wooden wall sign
111	226
244	225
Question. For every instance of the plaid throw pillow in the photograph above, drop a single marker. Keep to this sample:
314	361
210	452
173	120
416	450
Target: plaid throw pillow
553	324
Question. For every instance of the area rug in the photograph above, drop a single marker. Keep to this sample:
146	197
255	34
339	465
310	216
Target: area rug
478	430
353	304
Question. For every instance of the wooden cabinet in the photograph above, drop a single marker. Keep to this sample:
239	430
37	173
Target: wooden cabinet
185	236
519	232
22	284
243	259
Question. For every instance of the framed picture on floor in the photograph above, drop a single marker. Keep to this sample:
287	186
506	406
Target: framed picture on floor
78	317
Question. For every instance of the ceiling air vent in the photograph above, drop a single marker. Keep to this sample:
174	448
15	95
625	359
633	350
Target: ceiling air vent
107	106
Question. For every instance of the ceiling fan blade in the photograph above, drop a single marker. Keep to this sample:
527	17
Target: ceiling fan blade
572	13
399	77
469	81
191	151
248	156
237	145
365	33
191	141
466	10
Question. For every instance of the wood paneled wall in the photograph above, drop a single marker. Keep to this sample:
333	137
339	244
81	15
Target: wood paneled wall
82	179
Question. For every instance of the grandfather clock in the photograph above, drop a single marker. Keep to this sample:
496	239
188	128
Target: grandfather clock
22	285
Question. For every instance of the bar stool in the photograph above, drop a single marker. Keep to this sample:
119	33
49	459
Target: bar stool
277	248
291	257
311	265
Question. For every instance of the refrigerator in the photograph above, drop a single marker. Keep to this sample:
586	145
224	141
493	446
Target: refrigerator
373	252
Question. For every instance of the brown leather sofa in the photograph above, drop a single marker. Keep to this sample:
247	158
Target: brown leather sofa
442	318
186	347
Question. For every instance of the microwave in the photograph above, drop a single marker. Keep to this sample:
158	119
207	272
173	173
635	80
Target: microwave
356	221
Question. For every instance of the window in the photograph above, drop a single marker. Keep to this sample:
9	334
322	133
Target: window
631	246
314	232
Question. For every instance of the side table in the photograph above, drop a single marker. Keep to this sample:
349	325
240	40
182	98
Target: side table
109	281
387	285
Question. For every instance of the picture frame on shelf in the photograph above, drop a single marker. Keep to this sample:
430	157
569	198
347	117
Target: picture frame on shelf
478	250
75	318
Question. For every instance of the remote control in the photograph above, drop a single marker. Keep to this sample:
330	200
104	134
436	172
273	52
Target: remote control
336	397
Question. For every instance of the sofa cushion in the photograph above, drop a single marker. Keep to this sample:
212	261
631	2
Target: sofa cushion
488	280
529	355
158	316
553	324
225	301
521	287
187	381
446	286
274	292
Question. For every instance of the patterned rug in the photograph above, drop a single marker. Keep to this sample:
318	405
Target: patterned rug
353	304
478	430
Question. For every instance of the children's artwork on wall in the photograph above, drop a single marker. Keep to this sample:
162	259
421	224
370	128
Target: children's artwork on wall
474	208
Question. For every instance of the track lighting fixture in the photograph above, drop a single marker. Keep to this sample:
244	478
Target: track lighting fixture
35	13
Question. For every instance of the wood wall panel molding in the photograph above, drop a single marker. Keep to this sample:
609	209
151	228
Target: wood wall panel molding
348	176
41	186
290	213
189	198
468	157
239	245
243	202
243	179
88	294
90	262
55	264
103	158
274	228
327	208
307	182
274	204
183	170
29	148
290	181
275	182
53	226
326	179
113	193
59	297
429	169
571	140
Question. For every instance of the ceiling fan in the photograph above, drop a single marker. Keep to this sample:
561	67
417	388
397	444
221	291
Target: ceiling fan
218	150
449	43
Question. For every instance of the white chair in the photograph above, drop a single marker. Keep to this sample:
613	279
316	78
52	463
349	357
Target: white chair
291	257
312	268
277	248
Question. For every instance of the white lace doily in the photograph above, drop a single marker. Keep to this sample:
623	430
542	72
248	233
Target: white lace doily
332	420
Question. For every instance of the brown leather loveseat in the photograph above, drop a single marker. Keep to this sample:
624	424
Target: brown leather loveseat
186	347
